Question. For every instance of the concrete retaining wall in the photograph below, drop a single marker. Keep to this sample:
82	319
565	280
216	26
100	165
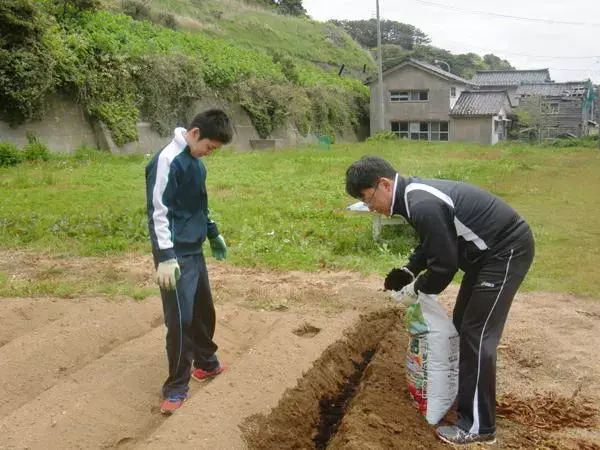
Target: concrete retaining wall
62	129
65	127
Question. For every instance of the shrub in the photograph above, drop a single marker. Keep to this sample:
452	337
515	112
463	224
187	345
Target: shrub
265	102
137	10
166	19
380	136
36	151
10	155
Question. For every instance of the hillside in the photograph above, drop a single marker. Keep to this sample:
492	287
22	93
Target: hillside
263	30
125	60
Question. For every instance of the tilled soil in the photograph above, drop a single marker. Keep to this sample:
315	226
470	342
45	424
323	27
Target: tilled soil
86	372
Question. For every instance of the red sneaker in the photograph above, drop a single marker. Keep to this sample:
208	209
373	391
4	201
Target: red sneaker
201	375
170	405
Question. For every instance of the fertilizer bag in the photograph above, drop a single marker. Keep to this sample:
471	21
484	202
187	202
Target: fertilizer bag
431	358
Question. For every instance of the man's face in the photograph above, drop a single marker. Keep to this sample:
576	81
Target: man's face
379	197
201	147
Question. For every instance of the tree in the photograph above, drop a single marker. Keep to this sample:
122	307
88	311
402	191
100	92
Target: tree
393	33
495	63
289	7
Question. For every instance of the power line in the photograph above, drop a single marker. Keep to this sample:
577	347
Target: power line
506	16
511	53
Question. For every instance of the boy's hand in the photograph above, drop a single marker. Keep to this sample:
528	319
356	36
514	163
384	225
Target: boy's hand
167	274
396	279
219	248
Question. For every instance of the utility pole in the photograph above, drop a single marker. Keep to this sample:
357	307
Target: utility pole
380	73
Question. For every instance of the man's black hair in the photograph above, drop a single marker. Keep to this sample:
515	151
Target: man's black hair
213	124
364	173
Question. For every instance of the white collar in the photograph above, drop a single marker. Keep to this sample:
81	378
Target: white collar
394	197
179	137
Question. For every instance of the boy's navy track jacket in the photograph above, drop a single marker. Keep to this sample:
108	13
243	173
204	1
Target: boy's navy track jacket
459	226
177	203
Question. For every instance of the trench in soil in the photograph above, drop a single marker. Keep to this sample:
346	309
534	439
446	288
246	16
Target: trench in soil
325	409
355	397
334	408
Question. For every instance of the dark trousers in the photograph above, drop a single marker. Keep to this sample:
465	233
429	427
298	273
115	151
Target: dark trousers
482	306
190	319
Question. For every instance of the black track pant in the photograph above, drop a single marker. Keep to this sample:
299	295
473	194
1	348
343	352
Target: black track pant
190	320
480	313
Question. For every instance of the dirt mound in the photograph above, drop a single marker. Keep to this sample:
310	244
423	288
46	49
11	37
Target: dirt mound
548	411
518	437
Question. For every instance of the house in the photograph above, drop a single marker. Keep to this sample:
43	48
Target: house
478	112
553	109
558	109
424	102
510	80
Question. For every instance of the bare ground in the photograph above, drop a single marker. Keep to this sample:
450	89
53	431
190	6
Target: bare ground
86	372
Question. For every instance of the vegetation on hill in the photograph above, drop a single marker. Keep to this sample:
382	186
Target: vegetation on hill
121	68
400	40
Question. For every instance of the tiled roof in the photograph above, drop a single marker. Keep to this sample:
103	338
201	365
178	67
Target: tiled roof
479	103
553	89
510	77
426	66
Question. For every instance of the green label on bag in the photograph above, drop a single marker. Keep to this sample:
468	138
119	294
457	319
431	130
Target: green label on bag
414	320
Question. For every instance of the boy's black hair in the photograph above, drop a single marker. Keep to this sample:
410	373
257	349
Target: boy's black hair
213	124
364	173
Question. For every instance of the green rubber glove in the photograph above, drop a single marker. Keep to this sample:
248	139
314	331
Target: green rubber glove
167	274
219	248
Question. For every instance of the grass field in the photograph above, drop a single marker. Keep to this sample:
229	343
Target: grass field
286	209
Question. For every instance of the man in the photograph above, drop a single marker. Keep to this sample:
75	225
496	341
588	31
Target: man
460	227
179	223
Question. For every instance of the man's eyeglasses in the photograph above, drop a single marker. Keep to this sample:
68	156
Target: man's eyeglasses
368	202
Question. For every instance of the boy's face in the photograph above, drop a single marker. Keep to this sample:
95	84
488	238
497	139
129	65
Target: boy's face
200	147
379	197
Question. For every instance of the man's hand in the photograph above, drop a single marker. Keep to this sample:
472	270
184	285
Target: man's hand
409	290
396	279
407	295
219	248
167	274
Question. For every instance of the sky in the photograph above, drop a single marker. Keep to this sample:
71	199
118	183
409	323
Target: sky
570	51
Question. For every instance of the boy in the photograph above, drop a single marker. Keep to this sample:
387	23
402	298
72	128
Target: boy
459	226
179	223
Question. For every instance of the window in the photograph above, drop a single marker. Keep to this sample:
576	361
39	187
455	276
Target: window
453	92
439	131
399	96
421	131
401	129
406	96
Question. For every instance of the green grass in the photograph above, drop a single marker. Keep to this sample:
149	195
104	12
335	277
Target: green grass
285	209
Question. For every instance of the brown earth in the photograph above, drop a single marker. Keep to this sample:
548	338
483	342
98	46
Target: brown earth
85	372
